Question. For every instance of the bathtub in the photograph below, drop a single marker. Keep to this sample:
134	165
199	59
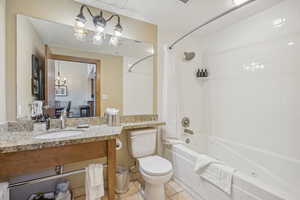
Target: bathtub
244	186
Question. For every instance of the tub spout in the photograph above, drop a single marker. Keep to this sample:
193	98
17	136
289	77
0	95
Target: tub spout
189	131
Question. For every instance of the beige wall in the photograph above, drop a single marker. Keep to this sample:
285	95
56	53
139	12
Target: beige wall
61	11
111	75
28	44
140	82
2	62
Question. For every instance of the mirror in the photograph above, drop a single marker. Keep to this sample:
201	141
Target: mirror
81	76
75	88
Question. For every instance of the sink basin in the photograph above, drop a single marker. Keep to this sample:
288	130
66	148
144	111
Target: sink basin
59	134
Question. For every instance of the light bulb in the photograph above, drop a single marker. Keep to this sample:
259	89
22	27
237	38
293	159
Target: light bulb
99	22
80	21
79	24
118	33
99	29
114	41
80	34
98	38
118	30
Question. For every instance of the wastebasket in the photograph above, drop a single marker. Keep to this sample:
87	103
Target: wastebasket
122	180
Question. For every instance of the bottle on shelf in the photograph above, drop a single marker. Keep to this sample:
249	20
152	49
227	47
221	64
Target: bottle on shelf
205	73
198	74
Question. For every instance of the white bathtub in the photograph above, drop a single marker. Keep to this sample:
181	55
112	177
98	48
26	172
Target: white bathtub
244	187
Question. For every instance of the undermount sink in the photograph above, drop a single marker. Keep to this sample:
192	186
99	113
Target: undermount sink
59	134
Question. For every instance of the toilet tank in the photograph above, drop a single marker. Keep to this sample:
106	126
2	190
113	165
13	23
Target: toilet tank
142	142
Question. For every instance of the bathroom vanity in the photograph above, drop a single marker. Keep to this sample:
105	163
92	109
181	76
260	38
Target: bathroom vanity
32	151
25	152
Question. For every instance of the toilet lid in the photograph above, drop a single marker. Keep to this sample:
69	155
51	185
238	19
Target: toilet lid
155	165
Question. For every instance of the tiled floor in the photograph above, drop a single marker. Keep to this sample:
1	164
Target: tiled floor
173	192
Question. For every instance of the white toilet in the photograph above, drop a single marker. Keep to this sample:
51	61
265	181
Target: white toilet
155	170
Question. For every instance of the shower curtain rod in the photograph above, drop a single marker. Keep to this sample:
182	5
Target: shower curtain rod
211	20
138	61
48	178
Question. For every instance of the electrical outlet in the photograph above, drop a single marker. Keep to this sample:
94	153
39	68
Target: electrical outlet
104	97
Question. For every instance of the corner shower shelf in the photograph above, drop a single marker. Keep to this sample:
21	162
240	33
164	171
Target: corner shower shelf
203	78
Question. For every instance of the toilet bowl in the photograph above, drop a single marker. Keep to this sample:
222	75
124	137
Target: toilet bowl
156	171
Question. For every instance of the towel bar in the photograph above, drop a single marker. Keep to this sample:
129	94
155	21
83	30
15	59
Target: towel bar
47	178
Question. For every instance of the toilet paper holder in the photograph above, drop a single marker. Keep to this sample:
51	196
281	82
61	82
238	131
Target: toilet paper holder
119	144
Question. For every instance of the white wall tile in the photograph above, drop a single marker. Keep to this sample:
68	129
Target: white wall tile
254	92
252	96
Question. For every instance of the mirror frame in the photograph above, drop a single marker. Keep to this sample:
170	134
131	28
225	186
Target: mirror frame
96	62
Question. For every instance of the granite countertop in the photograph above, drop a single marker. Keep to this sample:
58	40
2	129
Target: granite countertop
145	124
26	140
23	141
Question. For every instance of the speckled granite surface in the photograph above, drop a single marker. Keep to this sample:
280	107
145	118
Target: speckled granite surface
73	122
25	140
138	118
3	127
144	124
20	125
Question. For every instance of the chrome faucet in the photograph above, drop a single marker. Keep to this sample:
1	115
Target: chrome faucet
62	119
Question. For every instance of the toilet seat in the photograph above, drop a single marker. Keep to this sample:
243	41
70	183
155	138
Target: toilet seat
155	166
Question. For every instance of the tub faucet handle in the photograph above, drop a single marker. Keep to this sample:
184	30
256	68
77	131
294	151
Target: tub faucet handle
185	122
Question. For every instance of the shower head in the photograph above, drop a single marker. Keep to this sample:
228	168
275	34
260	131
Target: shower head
188	56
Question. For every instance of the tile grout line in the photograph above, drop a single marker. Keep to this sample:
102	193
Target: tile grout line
173	194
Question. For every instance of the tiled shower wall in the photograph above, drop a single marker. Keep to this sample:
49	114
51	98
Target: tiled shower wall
247	112
253	96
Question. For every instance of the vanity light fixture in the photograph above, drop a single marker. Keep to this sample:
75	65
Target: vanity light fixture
80	20
118	30
59	80
99	22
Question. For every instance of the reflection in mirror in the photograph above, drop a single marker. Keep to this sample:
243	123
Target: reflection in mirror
75	89
80	78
